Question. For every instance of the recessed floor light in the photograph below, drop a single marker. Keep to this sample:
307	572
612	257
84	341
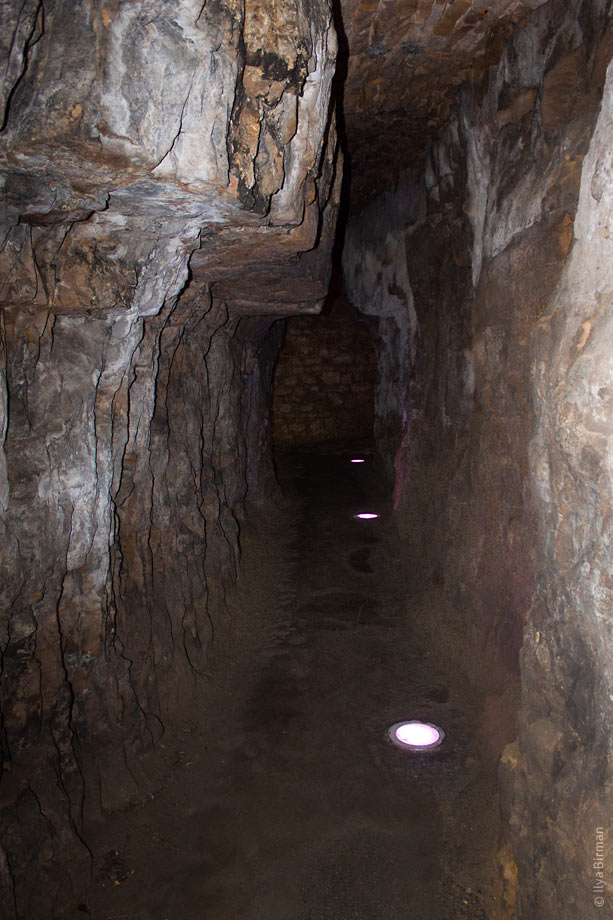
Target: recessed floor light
358	460
416	736
366	516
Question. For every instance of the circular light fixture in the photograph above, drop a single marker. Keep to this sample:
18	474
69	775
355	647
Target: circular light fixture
366	516
416	736
358	460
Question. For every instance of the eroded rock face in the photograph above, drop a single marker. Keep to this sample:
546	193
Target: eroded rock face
406	61
170	180
142	200
495	317
560	772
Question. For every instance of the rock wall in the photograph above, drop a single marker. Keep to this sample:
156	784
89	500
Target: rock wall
406	62
142	203
559	799
324	378
494	317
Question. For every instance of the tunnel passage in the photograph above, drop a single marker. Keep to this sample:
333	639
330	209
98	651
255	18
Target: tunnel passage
290	800
173	178
324	382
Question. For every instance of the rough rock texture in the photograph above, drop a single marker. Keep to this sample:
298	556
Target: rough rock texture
561	799
495	324
407	59
192	144
325	377
170	181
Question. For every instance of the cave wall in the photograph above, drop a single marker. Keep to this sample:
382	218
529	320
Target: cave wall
143	201
489	286
558	791
126	483
324	377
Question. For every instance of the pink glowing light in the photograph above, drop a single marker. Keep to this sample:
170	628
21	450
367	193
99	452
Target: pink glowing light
416	735
366	516
358	460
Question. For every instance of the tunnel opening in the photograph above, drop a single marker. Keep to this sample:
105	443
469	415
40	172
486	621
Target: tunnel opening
324	381
201	654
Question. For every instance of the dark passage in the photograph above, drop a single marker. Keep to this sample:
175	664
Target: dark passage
325	375
230	224
288	802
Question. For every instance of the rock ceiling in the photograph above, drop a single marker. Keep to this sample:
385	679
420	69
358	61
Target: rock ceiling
207	137
403	63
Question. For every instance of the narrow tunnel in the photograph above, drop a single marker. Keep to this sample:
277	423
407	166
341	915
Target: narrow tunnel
267	267
324	380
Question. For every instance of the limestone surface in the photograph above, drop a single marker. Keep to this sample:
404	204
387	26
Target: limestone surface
489	274
170	180
406	60
151	155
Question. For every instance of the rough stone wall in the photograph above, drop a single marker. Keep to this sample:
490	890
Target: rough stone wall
492	446
127	484
324	378
559	799
406	61
194	143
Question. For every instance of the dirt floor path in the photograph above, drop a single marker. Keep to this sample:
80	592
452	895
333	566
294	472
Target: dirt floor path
288	802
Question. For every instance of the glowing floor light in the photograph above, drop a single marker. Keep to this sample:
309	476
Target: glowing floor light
366	516
416	736
358	460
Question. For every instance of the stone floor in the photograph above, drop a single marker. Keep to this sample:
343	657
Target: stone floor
288	802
